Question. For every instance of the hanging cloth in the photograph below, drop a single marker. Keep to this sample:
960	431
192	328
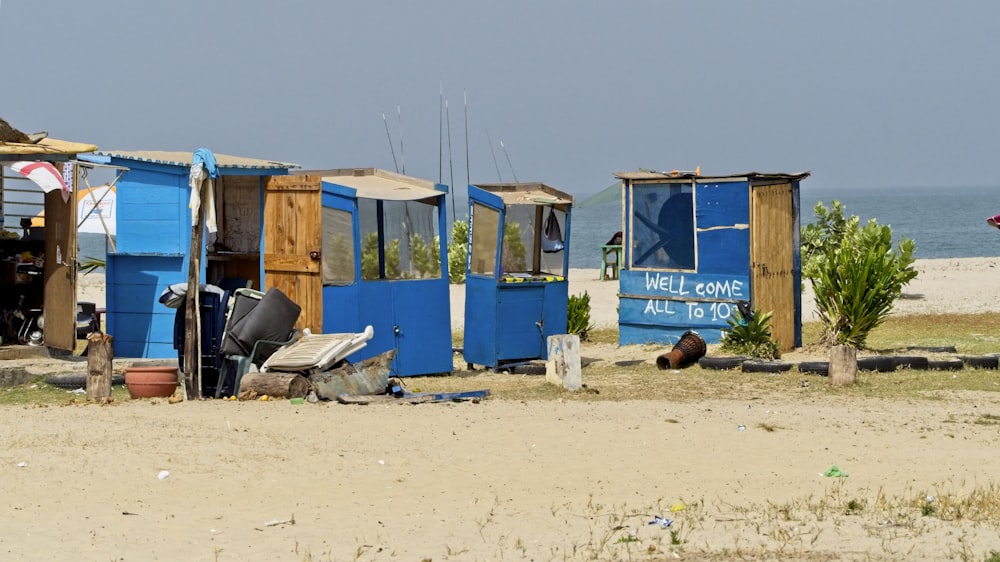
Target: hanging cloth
552	240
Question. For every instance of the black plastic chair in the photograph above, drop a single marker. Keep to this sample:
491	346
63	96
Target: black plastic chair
212	306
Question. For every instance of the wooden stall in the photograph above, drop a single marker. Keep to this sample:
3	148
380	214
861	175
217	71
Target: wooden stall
696	245
38	266
154	236
517	291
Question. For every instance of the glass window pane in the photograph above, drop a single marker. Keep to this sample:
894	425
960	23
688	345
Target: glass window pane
663	226
338	247
485	223
411	245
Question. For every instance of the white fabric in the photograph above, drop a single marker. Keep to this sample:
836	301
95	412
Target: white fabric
43	174
195	179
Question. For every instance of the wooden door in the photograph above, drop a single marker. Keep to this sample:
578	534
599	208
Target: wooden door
293	234
772	281
60	270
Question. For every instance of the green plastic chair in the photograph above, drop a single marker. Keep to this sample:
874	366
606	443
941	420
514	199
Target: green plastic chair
242	363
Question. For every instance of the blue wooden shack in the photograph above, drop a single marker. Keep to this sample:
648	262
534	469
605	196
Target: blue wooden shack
154	237
517	292
696	245
385	264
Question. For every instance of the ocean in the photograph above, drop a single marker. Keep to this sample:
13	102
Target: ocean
945	222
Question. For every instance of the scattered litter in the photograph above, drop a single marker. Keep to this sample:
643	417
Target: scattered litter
276	522
22	464
741	428
77	391
661	521
679	506
297	401
129	513
163	474
312	398
381	461
930	499
835	472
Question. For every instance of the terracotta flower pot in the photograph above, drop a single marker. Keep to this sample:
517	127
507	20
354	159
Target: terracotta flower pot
151	382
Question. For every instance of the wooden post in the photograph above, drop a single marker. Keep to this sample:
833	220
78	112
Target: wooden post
100	355
192	312
843	365
563	366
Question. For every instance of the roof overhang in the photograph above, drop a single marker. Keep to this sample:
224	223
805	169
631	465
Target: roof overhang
45	149
374	183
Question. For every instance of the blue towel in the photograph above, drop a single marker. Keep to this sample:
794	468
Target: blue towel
205	156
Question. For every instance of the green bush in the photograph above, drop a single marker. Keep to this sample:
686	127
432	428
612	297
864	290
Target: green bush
578	316
750	336
458	251
855	272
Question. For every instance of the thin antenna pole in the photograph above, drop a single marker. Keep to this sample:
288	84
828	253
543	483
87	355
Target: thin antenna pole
508	160
389	137
440	125
451	167
468	173
489	140
402	155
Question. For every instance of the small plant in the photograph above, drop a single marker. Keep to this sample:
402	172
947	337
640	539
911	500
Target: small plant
749	334
854	507
855	272
89	264
578	317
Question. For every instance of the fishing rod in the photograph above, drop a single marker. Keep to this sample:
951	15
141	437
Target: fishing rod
465	99
451	167
508	161
389	137
402	155
489	140
440	124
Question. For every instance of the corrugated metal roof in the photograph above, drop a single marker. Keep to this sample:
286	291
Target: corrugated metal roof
678	175
527	193
184	159
374	183
45	147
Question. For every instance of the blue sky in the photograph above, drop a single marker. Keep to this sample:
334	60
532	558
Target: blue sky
863	94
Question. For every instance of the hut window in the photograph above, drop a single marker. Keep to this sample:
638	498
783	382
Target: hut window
521	240
663	229
485	224
338	247
399	239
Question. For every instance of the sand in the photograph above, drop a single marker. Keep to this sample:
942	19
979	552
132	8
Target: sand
516	480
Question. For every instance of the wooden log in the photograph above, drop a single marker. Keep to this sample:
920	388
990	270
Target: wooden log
275	385
843	365
100	356
563	365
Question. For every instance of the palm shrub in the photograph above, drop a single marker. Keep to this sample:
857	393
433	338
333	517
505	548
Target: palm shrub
856	275
750	335
458	251
578	316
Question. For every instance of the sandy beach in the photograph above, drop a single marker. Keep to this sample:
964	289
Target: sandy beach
517	480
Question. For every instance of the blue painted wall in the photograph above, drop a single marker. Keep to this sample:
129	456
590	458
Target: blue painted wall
658	306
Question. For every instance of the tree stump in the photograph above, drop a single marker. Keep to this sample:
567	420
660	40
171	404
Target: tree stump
276	385
843	365
100	355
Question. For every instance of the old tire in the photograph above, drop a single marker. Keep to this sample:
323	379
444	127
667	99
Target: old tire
915	362
980	361
721	363
879	363
73	382
755	366
815	367
945	364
